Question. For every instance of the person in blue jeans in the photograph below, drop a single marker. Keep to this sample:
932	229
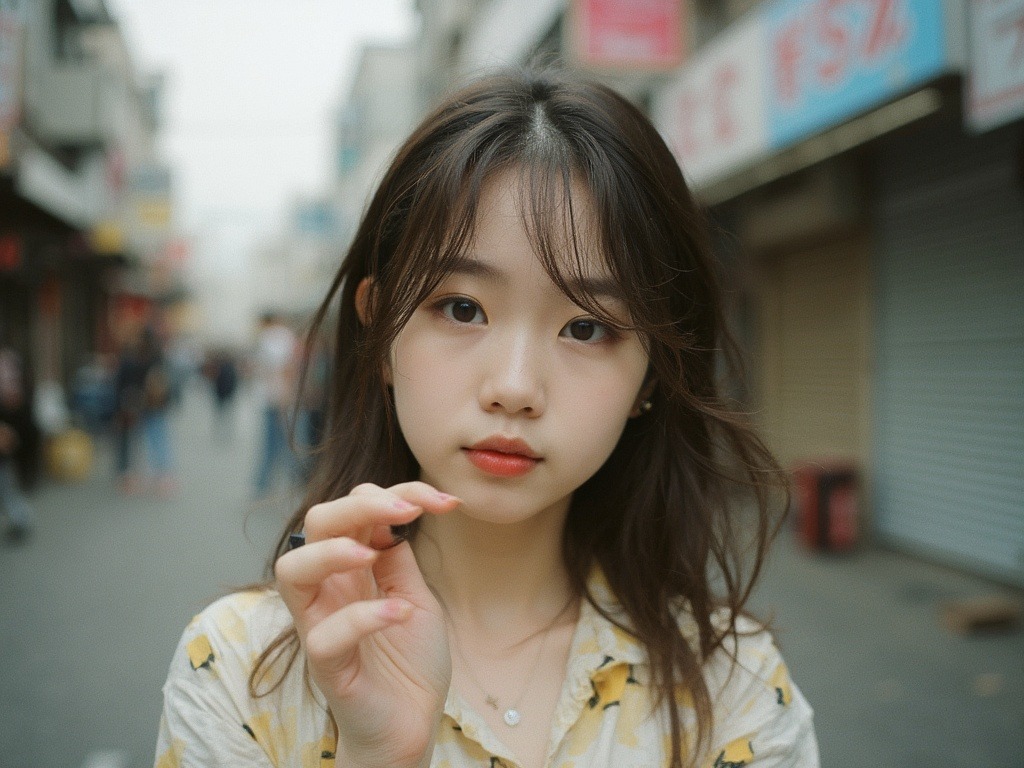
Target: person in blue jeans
12	500
143	397
275	363
18	434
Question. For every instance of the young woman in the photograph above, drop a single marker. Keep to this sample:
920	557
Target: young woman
528	537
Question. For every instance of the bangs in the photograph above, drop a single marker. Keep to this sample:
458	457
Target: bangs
558	211
593	207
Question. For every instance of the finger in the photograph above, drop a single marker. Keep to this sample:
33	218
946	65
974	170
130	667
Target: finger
355	516
300	572
398	575
369	505
331	644
425	495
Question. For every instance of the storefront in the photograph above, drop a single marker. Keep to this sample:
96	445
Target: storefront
53	283
882	246
949	373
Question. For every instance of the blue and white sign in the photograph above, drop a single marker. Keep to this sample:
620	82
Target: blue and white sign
828	60
995	92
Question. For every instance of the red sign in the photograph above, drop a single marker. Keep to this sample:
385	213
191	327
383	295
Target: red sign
637	34
833	40
10	253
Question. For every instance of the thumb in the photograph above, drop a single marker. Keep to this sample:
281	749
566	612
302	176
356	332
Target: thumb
398	575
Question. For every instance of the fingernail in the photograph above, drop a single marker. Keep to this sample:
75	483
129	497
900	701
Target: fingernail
404	506
446	497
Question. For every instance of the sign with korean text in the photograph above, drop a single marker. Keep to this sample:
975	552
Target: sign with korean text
995	86
828	60
635	34
712	116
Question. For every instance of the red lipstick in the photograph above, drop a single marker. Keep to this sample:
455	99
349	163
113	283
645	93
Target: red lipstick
502	456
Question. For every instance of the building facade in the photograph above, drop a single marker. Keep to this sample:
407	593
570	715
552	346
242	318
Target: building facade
85	211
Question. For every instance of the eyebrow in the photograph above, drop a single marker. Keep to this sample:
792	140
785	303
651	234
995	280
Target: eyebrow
598	287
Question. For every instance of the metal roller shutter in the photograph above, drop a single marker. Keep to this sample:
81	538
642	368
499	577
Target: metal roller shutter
814	321
949	387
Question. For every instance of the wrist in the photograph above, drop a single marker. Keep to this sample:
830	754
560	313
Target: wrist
384	753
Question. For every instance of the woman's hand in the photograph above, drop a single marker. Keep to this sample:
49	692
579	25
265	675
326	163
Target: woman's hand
373	632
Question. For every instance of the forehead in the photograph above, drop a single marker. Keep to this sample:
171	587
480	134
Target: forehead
557	219
549	237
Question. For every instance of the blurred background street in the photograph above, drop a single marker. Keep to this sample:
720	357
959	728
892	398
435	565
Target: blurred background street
179	180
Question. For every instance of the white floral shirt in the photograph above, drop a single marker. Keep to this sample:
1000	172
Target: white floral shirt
603	719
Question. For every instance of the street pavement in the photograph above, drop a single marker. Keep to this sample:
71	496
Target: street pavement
93	605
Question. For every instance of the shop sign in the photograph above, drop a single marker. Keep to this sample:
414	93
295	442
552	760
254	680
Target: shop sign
10	69
995	86
151	189
829	60
107	238
712	115
640	34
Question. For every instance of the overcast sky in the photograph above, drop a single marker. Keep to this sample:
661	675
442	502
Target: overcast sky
252	87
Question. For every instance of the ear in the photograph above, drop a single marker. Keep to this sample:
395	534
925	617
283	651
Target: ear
643	397
363	291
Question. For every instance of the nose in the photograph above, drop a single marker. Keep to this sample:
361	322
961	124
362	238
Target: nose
514	376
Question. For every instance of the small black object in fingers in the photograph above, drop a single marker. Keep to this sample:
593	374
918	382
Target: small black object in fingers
399	533
296	540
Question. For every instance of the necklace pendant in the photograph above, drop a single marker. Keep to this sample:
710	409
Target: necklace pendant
512	717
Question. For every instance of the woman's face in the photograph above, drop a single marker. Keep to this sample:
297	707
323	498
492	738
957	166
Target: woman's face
509	395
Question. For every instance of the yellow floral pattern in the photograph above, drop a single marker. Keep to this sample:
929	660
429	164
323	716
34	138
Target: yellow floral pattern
605	717
737	753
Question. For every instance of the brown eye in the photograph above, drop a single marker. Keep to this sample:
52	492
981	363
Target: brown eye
463	311
586	330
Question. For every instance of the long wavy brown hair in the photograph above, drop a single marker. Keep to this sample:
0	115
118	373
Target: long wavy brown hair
683	507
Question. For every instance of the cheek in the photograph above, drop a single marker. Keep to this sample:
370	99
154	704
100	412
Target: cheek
423	382
601	409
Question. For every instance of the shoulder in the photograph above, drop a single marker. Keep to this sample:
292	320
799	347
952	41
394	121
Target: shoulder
209	716
228	635
760	715
245	617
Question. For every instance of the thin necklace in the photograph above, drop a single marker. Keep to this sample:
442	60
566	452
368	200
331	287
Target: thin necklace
513	715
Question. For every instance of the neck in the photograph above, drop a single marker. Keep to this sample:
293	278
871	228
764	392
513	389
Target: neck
492	576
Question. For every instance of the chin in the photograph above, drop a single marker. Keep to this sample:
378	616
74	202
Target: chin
500	509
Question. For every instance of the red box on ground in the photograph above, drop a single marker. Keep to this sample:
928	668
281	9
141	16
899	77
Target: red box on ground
826	495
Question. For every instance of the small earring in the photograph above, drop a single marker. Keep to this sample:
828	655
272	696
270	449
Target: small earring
646	406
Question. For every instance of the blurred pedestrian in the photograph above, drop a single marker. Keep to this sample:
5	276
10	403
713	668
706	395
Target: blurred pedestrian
222	373
19	436
93	399
274	382
182	359
143	388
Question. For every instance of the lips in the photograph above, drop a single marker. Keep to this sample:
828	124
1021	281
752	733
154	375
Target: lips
502	456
